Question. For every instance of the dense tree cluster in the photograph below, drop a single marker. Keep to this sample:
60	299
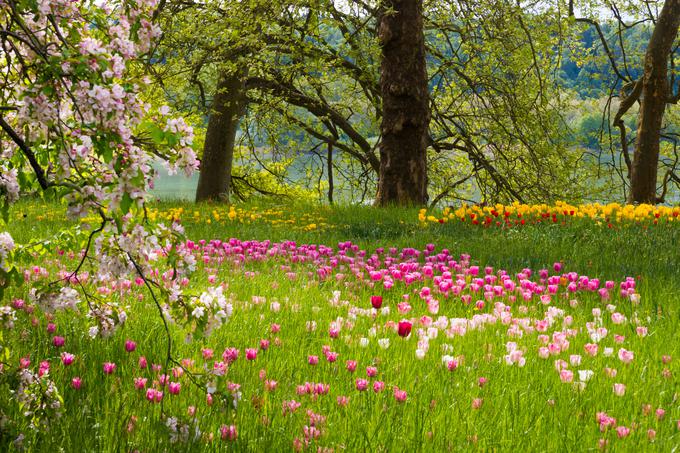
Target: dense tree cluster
291	91
323	99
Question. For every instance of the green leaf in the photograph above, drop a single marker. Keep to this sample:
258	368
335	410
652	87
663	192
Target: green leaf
126	203
157	134
106	153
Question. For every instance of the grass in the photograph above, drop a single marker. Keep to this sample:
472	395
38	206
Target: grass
526	408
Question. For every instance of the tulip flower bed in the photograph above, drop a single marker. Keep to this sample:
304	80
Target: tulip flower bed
516	214
344	346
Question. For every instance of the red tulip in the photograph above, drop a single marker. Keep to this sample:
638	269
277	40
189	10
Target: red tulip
376	301
404	328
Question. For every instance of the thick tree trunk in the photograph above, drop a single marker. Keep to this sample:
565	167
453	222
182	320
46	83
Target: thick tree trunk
218	151
655	94
406	110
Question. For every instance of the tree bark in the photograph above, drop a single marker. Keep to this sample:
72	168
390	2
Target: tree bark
655	95
329	162
406	110
218	150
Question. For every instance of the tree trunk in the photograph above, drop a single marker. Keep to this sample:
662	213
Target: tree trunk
329	162
655	94
218	151
406	110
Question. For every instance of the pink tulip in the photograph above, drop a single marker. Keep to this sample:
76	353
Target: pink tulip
153	395
566	376
251	354
130	345
622	431
67	358
140	383
289	407
109	367
58	341
362	384
230	355
604	420
400	396
625	356
591	349
228	432
44	368
618	318
619	389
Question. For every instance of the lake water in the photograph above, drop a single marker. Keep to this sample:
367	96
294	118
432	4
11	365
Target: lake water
175	187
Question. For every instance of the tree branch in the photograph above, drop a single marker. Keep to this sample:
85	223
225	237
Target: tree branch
28	152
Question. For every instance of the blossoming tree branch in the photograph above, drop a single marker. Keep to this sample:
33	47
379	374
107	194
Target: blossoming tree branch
75	125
